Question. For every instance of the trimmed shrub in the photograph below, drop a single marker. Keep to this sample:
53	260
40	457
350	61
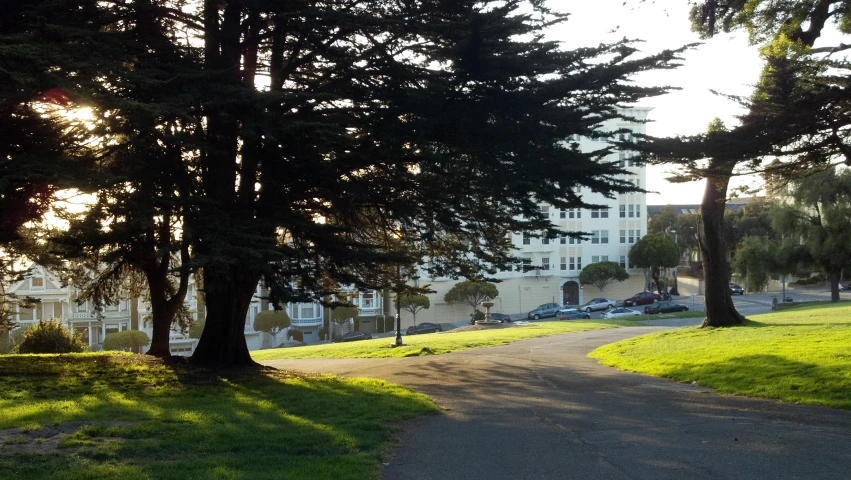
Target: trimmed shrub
297	335
50	336
128	340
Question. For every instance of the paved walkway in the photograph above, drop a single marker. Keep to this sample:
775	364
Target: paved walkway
539	409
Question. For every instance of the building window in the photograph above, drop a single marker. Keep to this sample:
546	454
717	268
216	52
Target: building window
638	211
604	258
574	263
623	261
595	258
637	235
367	300
604	236
527	240
595	236
574	241
545	210
37	283
600	213
623	236
545	241
631	211
564	263
574	213
621	160
563	239
562	214
632	236
545	263
527	264
623	211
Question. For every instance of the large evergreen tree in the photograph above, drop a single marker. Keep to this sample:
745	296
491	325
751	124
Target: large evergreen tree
281	144
798	115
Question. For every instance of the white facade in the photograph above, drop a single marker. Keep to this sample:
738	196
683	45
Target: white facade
557	262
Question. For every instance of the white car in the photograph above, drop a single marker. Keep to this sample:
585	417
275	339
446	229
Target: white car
596	304
620	312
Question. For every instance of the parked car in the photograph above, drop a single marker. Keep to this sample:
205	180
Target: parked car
502	317
354	336
666	307
571	314
545	310
597	304
736	290
424	327
642	298
620	312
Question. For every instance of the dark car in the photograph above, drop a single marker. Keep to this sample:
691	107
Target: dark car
736	290
545	310
424	327
502	317
572	314
355	336
666	307
642	298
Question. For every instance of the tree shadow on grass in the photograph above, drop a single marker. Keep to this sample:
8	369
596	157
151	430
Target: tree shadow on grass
184	422
772	376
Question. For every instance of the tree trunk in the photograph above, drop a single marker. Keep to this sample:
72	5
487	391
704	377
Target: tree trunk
720	311
223	339
835	277
161	319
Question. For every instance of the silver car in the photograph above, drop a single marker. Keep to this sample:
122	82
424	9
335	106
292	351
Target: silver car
597	304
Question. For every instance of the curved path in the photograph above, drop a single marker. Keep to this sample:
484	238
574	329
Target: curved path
539	409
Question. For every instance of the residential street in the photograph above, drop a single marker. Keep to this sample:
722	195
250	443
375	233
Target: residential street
539	409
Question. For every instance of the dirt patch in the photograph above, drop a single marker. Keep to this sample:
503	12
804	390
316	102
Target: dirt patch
45	439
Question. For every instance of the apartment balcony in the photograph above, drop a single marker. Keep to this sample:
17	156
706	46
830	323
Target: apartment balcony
306	322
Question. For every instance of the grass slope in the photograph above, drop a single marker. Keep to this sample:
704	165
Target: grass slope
438	343
128	417
800	355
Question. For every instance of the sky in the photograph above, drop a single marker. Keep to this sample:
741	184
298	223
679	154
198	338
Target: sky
726	64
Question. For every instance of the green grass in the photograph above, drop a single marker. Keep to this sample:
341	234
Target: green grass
438	343
802	355
75	417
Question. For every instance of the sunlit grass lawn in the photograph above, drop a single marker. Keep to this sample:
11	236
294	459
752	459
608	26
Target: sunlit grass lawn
801	355
437	343
128	417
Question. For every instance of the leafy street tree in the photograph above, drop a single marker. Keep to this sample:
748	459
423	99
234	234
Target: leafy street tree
470	292
128	340
662	221
272	140
413	303
602	274
272	322
654	252
756	260
819	216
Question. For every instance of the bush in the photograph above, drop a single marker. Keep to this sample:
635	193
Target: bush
297	335
196	327
478	315
50	336
128	340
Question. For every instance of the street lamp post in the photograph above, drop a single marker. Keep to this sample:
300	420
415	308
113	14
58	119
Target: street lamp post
674	290
398	342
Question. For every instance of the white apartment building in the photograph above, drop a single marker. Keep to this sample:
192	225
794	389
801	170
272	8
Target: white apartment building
557	262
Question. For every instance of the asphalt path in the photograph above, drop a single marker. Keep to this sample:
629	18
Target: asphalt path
540	409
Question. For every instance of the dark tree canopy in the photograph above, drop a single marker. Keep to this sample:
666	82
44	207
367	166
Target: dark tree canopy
286	141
